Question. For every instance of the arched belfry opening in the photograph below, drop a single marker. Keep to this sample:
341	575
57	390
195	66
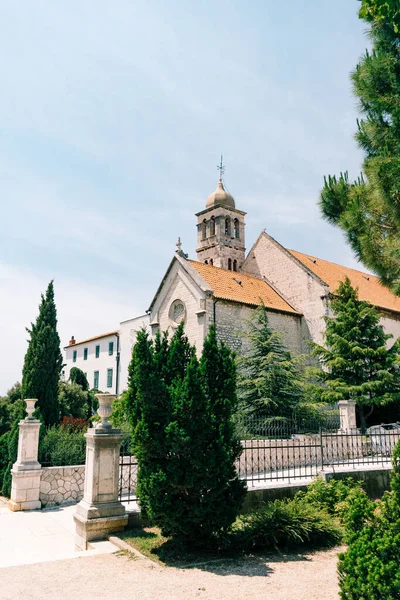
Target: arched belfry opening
221	229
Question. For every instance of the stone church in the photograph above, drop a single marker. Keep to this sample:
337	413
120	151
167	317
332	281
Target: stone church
223	286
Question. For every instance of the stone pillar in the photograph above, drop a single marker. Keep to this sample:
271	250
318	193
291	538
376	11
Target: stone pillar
26	472
347	410
100	513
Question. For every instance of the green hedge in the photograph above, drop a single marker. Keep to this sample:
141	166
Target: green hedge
62	447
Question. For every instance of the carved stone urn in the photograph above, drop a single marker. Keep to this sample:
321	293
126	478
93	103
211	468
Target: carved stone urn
105	410
30	407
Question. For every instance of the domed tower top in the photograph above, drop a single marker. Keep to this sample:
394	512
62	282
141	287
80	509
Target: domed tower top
220	197
221	230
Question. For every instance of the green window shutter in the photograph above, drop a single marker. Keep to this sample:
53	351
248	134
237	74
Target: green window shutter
97	351
96	380
85	353
111	348
74	356
109	377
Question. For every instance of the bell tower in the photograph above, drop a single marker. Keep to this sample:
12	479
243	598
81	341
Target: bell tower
221	230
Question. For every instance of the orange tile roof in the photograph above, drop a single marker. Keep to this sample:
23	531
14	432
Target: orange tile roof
369	286
96	337
250	290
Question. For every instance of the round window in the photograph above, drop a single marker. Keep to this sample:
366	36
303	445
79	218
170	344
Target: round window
177	312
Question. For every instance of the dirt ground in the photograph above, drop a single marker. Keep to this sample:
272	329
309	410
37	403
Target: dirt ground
117	576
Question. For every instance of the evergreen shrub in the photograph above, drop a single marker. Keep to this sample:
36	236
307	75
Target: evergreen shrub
329	495
3	457
286	524
369	569
184	437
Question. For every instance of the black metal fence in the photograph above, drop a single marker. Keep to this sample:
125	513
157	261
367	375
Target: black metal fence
284	451
128	468
288	450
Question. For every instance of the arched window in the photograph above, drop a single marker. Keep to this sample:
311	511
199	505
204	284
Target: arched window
236	231
206	262
204	230
211	262
235	265
212	226
229	264
227	226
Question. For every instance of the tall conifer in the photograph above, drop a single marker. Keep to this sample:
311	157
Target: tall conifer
43	360
270	381
368	209
184	440
357	363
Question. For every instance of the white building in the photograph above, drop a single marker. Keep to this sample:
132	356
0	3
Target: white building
222	287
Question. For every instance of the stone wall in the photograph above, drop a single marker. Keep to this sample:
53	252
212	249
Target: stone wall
60	486
231	323
304	291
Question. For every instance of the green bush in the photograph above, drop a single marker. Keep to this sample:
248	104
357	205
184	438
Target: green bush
12	447
369	569
329	495
4	460
62	447
286	524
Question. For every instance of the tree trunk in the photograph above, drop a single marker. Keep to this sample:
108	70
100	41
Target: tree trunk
364	417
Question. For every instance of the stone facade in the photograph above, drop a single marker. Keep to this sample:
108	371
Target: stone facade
60	486
231	319
303	290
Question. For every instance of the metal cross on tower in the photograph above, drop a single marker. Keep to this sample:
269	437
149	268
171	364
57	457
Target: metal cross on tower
221	169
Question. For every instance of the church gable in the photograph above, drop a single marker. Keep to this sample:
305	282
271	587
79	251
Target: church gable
302	288
181	297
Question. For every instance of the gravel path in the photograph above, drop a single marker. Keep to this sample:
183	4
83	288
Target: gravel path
117	577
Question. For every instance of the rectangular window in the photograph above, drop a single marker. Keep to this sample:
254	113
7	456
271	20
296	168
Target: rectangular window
74	356
109	377
85	351
96	380
111	348
97	351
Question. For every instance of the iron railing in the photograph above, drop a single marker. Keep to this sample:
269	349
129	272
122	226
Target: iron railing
302	456
128	468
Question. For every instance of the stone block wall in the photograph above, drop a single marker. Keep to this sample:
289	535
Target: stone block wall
232	321
60	486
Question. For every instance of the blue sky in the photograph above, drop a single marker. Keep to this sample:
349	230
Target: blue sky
112	119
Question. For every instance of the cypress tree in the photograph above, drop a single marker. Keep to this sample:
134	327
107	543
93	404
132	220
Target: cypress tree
148	408
357	363
226	492
184	437
270	381
43	360
368	209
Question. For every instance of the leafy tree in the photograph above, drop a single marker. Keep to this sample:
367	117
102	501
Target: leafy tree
73	400
120	415
368	209
78	376
357	363
43	360
381	10
270	381
14	394
181	412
